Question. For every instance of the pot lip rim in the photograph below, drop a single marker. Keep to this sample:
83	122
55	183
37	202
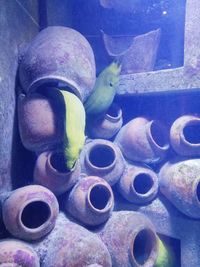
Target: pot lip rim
114	118
192	121
195	184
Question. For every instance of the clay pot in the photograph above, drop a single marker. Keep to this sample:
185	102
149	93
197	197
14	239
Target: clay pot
30	212
184	135
51	172
107	126
15	253
40	121
70	244
143	140
179	181
102	158
91	201
59	56
131	239
138	184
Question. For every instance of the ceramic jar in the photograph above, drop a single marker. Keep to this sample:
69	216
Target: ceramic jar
91	201
106	126
30	212
179	181
131	239
143	140
58	56
185	135
14	253
138	184
51	172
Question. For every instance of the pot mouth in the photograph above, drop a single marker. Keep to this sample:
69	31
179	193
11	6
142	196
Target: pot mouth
101	157
100	198
143	249
142	184
57	162
196	186
191	133
114	112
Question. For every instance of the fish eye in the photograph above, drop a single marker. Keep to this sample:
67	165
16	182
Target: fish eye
111	84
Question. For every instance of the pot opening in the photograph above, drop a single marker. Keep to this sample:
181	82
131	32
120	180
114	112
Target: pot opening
99	197
198	191
192	133
35	214
158	134
58	162
113	111
143	246
102	156
142	183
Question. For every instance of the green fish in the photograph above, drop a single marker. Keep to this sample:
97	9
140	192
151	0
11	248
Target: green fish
74	128
104	90
165	258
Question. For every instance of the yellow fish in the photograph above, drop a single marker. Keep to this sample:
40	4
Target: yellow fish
165	258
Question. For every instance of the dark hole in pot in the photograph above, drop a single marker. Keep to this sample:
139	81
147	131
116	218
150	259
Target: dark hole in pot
158	134
192	133
143	246
99	197
58	162
198	191
113	111
102	156
142	183
35	214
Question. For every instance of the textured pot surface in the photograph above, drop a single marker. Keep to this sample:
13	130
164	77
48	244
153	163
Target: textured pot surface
59	54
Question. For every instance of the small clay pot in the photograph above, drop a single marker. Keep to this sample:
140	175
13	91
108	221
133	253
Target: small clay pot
179	181
143	140
107	126
30	212
91	201
58	56
185	135
15	253
131	239
138	184
104	159
41	122
51	172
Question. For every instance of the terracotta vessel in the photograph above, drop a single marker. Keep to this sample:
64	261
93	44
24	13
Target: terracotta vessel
185	135
50	171
70	244
58	56
102	158
179	181
143	140
40	122
131	239
138	184
91	201
30	212
15	253
107	126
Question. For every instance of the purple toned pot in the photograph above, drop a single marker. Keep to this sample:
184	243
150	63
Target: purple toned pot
40	122
104	159
70	244
51	172
143	140
15	253
30	212
179	181
185	135
59	55
91	201
107	126
138	184
131	239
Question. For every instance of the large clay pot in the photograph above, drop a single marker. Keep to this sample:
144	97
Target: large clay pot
30	212
91	201
138	184
70	245
131	239
143	140
15	253
59	55
102	158
41	122
179	181
107	126
185	135
50	171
